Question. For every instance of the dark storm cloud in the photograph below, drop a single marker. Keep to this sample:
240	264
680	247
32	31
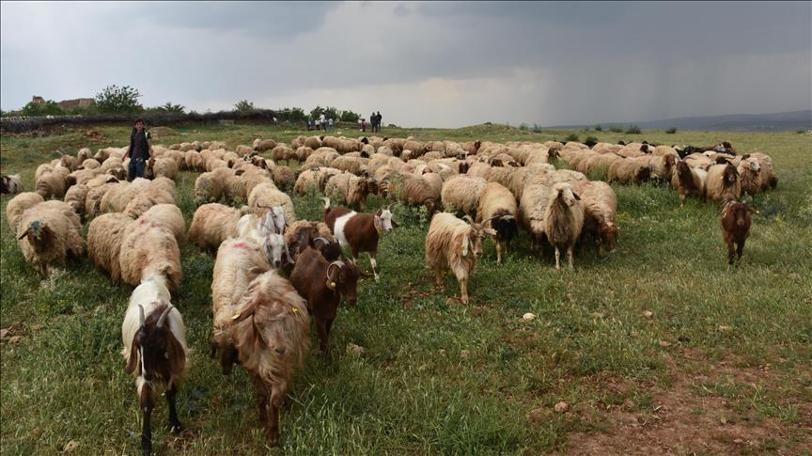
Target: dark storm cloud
429	63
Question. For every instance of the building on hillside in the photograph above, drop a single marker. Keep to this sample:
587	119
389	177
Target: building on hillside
38	100
76	103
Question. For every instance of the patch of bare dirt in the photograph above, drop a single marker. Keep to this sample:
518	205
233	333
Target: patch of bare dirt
684	418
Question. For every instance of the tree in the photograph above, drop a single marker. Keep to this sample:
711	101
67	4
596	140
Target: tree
349	116
331	112
49	108
244	106
119	100
317	112
168	107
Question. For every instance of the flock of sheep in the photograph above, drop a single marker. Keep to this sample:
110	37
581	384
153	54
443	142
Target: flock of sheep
261	319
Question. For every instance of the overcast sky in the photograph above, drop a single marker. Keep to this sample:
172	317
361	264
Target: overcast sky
420	64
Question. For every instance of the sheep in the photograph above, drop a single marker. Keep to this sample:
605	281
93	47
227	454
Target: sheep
210	186
120	194
19	204
282	152
630	170
312	142
265	196
48	233
75	197
51	183
213	223
532	206
347	188
283	177
497	210
600	209
688	181
168	216
83	154
563	220
104	237
149	248
750	175
322	284
70	162
359	231
347	163
454	244
767	170
267	330
155	350
699	161
261	145
193	161
722	183
423	190
159	191
11	184
461	193
161	167
735	220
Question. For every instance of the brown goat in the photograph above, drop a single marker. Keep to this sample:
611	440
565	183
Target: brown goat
322	284
736	219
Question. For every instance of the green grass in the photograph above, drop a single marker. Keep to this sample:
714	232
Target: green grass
439	377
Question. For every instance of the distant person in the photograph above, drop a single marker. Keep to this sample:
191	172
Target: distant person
379	119
330	123
138	152
363	124
323	121
372	121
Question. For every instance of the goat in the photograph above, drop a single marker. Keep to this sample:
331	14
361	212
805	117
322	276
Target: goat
155	349
736	219
359	231
322	284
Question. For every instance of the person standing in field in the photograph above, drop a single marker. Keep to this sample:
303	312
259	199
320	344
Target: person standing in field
139	151
378	120
330	123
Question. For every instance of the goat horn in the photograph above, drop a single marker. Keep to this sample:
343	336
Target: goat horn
142	319
162	320
468	219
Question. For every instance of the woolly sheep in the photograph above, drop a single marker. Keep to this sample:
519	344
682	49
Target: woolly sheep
213	223
688	180
168	216
48	233
261	145
497	210
19	204
51	183
158	191
563	221
11	184
461	193
532	206
630	170
266	196
347	188
600	209
210	186
149	248
722	183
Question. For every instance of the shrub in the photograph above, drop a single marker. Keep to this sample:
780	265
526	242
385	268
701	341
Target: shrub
536	128
671	131
523	127
616	130
349	116
591	139
571	137
633	130
49	108
244	106
168	107
598	128
119	100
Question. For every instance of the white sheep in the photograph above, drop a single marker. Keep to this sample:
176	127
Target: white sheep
48	234
563	221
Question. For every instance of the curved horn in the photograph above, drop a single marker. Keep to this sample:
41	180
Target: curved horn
162	319
326	202
468	219
141	318
331	284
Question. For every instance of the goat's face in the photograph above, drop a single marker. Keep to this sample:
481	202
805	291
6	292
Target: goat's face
384	218
343	277
276	250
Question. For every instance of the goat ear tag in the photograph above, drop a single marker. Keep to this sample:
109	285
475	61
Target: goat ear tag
330	284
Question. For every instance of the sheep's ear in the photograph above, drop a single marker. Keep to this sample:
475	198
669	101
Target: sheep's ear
257	270
576	196
24	234
132	362
465	246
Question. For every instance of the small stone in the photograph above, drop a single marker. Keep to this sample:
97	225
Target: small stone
356	350
442	352
71	446
725	328
648	314
465	354
665	343
561	407
739	441
529	316
723	420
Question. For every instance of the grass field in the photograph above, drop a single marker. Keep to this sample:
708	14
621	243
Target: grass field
722	365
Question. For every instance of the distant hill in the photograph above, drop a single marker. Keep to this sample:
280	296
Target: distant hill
780	121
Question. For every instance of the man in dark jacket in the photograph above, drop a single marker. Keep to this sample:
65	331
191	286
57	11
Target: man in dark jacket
139	151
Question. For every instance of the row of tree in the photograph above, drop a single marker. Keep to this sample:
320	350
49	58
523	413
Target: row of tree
124	100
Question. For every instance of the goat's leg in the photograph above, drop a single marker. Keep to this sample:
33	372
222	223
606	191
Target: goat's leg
272	427
498	252
374	264
174	422
464	289
731	252
321	327
145	400
740	250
